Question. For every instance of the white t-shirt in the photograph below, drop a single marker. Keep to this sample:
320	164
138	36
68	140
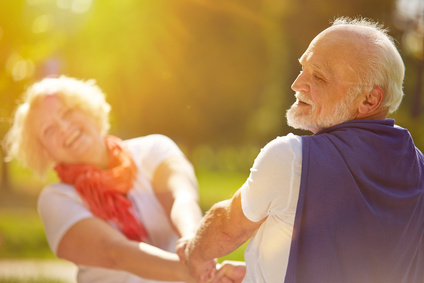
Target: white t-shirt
272	190
60	207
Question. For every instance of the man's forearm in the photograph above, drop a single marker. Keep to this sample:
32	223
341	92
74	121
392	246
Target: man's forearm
216	236
223	229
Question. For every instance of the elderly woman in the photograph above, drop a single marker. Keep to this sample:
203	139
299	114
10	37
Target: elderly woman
120	205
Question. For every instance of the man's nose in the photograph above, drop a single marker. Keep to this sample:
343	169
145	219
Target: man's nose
300	84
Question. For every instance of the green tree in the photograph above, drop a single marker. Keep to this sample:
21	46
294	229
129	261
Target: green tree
206	73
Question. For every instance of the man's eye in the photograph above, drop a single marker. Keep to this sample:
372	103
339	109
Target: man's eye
318	78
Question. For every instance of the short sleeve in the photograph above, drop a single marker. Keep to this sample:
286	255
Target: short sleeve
273	178
60	207
149	151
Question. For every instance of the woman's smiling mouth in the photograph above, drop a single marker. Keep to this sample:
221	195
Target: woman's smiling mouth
72	138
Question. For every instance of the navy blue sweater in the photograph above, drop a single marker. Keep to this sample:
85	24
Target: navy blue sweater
360	214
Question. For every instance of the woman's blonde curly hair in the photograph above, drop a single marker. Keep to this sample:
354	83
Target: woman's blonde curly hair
21	143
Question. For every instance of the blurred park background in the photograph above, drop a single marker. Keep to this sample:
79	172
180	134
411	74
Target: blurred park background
214	76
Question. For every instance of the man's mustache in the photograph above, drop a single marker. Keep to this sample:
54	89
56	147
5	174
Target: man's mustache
303	98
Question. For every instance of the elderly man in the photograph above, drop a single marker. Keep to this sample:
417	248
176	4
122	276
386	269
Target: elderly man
344	205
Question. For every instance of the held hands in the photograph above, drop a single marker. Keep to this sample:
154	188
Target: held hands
230	272
208	271
202	271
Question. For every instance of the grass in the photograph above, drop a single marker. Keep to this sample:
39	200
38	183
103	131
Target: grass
22	235
29	280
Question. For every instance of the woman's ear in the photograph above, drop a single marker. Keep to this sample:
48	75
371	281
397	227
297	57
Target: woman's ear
371	102
46	155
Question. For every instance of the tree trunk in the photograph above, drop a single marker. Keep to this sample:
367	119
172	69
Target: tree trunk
418	95
5	184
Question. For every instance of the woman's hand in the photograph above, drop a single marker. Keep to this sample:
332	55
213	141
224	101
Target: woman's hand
230	272
181	245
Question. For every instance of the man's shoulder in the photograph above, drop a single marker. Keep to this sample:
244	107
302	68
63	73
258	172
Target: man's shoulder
282	147
287	140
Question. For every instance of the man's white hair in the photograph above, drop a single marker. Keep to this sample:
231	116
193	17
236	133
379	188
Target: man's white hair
381	65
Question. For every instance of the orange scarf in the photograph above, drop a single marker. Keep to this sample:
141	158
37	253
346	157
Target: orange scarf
104	191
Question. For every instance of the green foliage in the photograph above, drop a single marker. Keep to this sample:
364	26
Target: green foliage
25	180
205	73
22	235
201	72
216	186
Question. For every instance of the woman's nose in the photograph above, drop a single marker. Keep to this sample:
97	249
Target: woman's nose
62	124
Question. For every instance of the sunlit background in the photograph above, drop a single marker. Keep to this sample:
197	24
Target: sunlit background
213	75
209	74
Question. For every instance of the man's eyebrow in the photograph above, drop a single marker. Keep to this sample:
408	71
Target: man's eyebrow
324	69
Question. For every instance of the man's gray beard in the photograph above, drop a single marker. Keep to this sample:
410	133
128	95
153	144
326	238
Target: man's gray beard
297	119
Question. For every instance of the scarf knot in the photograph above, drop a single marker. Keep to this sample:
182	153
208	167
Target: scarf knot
104	191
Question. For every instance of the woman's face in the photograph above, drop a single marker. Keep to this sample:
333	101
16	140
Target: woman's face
67	134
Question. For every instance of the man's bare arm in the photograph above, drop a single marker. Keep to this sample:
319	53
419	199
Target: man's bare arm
223	229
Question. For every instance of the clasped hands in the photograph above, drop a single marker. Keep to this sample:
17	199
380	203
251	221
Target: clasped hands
209	271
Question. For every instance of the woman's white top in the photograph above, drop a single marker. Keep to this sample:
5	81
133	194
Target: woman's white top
60	207
272	191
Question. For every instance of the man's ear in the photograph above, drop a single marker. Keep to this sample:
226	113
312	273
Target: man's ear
371	102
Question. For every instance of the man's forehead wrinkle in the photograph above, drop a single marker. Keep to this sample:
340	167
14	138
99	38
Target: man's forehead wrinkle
304	58
323	69
321	66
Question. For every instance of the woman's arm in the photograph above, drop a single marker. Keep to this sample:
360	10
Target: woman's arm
175	186
93	242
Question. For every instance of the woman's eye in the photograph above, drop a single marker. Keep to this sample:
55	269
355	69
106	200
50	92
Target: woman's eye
48	131
68	112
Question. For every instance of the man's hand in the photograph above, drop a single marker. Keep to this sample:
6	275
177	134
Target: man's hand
230	272
202	271
222	230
